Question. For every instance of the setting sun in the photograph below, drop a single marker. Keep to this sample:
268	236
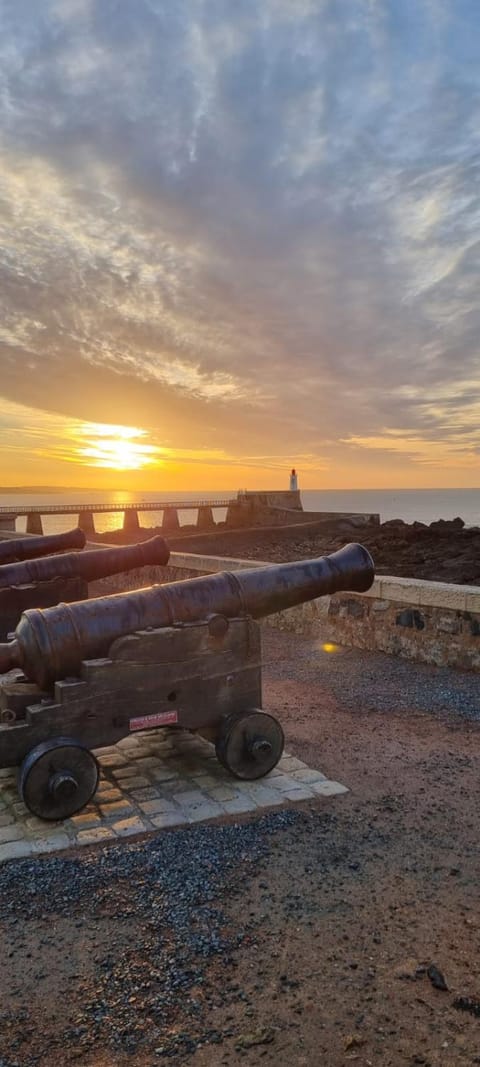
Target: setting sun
118	448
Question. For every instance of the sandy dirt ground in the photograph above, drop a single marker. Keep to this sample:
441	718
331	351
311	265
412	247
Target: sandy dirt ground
304	939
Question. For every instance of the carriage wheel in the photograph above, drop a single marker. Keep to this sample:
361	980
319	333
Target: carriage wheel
250	744
58	778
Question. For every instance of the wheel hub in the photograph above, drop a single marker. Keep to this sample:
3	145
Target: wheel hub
260	748
63	785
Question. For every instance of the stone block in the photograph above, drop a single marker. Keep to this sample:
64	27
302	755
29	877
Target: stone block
263	795
115	807
190	797
355	608
6	820
113	761
163	821
7	774
145	762
164	774
240	805
14	832
328	788
301	792
444	595
95	836
380	605
222	793
412	619
202	812
205	781
85	820
173	787
400	590
136	784
288	764
148	793
158	806
16	850
129	771
472	601
127	827
52	843
448	624
107	750
307	776
105	796
33	823
283	782
127	744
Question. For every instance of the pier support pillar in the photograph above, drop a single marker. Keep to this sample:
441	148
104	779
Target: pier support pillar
34	523
130	521
7	522
86	522
170	520
205	519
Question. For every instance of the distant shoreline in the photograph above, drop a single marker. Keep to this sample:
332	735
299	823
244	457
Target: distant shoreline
4	489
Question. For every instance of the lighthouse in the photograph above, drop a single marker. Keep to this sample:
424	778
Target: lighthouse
293	481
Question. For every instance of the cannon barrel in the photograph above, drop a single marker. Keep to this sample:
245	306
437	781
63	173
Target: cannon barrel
90	565
21	548
51	644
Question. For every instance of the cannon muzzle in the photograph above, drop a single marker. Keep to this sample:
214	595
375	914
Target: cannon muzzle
90	565
16	549
52	643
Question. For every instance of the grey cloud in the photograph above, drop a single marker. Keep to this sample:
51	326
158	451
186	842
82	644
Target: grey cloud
266	191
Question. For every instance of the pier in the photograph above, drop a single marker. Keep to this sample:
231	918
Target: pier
278	507
86	512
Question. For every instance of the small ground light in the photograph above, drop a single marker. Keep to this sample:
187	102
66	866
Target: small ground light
329	646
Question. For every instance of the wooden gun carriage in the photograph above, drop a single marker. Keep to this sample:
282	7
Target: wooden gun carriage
184	654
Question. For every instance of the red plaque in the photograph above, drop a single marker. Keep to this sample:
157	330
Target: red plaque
146	722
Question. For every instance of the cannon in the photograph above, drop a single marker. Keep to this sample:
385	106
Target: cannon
185	654
19	548
46	581
90	565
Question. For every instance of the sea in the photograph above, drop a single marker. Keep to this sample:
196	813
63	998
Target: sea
423	505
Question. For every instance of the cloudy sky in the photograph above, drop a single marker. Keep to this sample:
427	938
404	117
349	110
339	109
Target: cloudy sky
237	236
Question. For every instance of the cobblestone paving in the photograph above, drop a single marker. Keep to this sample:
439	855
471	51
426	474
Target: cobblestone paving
149	782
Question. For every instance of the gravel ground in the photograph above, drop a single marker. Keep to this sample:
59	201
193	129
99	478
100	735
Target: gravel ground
299	938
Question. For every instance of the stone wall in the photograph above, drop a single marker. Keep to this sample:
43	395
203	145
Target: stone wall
432	622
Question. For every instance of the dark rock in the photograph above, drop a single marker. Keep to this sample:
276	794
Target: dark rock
436	978
470	1004
445	526
410	618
